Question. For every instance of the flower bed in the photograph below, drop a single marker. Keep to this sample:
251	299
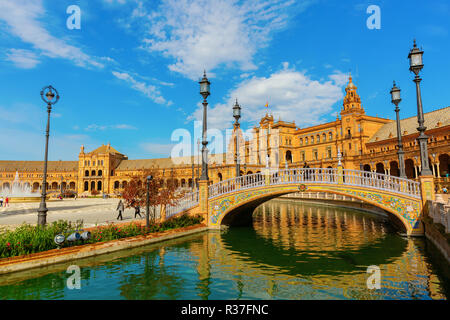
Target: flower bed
28	239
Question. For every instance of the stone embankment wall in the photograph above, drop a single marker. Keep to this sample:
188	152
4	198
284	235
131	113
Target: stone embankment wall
437	225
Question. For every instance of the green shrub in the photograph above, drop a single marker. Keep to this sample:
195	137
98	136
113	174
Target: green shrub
28	239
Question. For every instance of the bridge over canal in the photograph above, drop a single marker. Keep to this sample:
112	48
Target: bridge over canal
232	201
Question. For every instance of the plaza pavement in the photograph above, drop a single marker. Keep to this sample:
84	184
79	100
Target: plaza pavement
91	211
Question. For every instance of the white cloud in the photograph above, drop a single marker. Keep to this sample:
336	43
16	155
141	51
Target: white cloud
292	96
23	59
206	34
150	91
22	18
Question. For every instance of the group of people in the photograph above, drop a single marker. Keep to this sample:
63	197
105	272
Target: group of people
121	208
4	201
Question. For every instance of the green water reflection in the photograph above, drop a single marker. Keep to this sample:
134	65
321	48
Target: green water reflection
293	251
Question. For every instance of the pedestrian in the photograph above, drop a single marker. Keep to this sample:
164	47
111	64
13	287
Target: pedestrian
137	211
6	201
444	189
120	207
1	201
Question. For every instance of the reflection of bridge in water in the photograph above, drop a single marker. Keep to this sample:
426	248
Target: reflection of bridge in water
282	250
230	201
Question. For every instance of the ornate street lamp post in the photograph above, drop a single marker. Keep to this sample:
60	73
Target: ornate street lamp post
395	95
237	115
198	163
47	96
193	181
147	216
416	64
204	91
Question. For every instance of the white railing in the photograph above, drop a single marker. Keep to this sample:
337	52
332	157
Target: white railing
322	176
239	183
188	201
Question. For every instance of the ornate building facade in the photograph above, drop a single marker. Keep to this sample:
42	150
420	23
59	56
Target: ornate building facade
365	142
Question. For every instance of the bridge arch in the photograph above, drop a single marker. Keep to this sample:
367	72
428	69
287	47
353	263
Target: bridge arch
400	198
241	214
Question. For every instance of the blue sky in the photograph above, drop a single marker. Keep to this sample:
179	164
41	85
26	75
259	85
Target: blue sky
129	75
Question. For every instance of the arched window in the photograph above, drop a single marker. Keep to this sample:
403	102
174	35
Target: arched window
93	173
116	184
86	186
100	173
318	138
330	135
86	173
99	186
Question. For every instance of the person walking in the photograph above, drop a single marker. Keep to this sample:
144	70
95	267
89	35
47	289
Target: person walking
120	207
1	201
137	211
6	201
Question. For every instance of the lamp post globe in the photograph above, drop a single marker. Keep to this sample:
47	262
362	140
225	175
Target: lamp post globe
395	95
205	86
48	95
415	57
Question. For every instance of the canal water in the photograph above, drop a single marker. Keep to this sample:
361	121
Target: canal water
293	251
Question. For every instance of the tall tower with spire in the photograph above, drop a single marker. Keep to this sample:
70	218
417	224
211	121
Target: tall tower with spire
352	101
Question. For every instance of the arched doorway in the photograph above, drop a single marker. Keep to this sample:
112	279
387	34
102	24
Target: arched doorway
116	185
72	185
92	186
99	186
409	168
35	187
395	171
444	165
367	168
289	156
219	175
380	168
86	186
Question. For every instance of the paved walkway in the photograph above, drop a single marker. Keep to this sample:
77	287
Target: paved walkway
91	211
